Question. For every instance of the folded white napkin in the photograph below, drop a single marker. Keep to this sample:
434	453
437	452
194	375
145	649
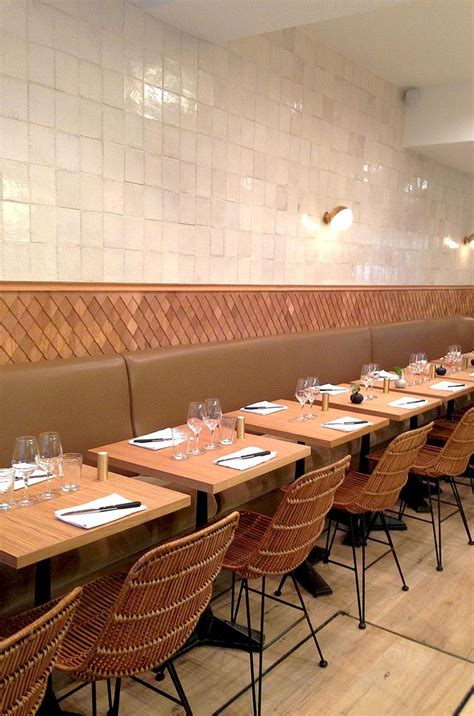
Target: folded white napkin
385	374
35	478
160	444
96	519
345	425
471	374
267	408
447	385
332	389
244	464
408	403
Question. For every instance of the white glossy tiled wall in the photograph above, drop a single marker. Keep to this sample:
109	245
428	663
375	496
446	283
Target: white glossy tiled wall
130	151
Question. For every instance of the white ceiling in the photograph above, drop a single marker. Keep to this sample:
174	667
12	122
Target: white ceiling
459	155
222	20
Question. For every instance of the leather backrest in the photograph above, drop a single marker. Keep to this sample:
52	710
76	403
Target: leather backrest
392	343
164	380
85	399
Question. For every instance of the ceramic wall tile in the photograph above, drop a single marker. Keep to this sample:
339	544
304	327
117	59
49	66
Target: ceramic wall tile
159	156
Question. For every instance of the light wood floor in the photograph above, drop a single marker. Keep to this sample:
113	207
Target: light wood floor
413	658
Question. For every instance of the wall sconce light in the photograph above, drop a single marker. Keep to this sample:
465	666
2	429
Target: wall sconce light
469	240
450	243
340	218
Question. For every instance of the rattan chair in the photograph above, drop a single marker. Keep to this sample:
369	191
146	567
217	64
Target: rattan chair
446	462
277	545
29	648
362	498
127	624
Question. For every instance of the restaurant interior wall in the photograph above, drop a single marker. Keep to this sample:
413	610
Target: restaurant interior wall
132	151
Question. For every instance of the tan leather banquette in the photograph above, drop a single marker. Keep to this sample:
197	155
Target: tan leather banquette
94	401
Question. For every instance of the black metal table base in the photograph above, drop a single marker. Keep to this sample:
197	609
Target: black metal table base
213	631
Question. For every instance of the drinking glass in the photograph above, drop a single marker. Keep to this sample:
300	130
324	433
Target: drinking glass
301	396
227	430
71	471
180	443
374	370
196	413
413	367
24	462
50	454
422	363
312	390
7	478
364	378
212	418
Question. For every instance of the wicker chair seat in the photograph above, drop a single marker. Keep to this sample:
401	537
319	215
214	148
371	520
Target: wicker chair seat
426	461
247	538
346	495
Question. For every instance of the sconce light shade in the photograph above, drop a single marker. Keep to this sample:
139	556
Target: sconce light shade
450	243
340	218
469	240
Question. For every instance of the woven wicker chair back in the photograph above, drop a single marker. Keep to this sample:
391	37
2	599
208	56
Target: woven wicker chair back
391	473
160	602
27	658
454	455
297	522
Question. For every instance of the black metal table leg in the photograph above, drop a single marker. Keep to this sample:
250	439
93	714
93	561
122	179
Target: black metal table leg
413	422
364	451
450	409
211	630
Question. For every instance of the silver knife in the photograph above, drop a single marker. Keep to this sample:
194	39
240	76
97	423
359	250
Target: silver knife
105	508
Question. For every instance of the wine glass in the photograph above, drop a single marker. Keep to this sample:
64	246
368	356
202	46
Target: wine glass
422	362
196	412
301	396
373	373
50	454
24	462
312	390
364	378
212	418
413	366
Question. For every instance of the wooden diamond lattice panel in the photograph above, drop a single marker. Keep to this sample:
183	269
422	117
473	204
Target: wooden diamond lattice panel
38	324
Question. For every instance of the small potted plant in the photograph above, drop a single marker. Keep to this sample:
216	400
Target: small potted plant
356	395
400	382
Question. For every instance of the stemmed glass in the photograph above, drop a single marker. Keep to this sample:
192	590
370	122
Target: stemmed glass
414	367
301	396
24	462
196	412
374	370
50	454
365	379
212	418
312	390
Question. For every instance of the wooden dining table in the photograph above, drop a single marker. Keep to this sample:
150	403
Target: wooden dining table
199	473
447	396
33	535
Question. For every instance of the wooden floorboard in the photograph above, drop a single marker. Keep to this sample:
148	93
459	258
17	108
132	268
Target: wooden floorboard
413	658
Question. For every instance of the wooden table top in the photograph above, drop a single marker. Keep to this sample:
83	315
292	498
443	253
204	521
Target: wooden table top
284	424
444	395
465	376
379	405
198	472
31	534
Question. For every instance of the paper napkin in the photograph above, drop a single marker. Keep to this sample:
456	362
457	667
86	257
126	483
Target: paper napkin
244	464
445	385
332	389
267	410
344	424
408	403
35	478
385	374
97	519
165	433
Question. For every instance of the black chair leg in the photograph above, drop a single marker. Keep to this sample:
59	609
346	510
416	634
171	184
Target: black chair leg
360	597
390	541
457	497
234	614
436	537
322	663
260	652
281	585
249	631
109	694
330	541
114	711
179	689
